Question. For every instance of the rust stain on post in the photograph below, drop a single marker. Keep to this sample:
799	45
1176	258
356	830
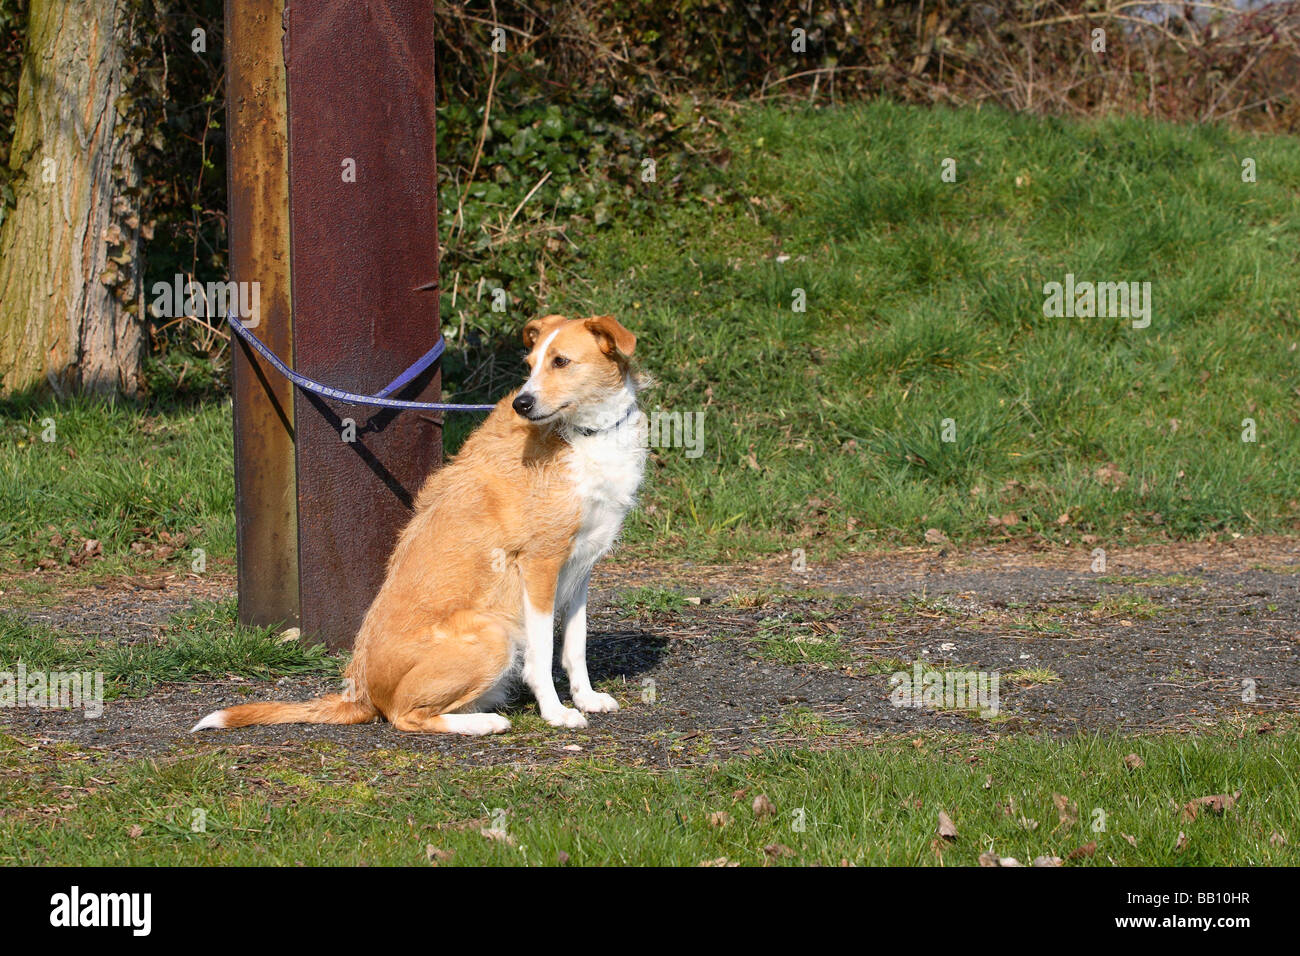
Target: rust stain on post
364	183
257	124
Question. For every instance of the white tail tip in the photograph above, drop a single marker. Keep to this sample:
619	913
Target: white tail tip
214	721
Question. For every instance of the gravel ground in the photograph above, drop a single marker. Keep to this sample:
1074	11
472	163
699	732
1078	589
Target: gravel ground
1169	638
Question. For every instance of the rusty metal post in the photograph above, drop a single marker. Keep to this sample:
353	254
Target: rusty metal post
265	493
363	211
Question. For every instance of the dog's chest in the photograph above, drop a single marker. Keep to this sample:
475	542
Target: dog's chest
606	471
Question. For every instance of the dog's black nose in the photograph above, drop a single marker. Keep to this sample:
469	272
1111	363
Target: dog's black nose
523	404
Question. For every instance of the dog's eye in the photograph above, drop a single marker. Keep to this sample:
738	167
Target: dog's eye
560	361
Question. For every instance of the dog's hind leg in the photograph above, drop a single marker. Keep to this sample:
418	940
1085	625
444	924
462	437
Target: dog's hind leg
422	720
462	663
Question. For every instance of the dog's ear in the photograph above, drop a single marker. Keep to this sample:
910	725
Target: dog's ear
532	331
611	335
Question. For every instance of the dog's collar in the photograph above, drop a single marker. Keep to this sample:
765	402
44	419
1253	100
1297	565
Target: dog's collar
588	432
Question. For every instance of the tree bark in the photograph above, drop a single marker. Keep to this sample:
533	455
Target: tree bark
70	285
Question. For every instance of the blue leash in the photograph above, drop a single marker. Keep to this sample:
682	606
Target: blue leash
379	399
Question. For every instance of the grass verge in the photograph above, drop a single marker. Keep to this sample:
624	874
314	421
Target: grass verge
203	642
1084	800
867	346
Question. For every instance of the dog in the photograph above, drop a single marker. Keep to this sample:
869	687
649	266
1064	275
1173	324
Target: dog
502	538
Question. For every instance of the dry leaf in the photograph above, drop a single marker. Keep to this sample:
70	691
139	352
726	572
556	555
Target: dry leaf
1088	849
436	855
1181	842
501	836
1134	762
1048	861
719	818
1066	811
763	807
1132	840
135	831
947	829
1217	803
1108	474
777	850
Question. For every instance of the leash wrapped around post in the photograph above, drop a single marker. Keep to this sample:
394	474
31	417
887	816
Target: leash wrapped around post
379	399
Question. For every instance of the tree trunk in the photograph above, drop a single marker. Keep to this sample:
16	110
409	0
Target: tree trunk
70	284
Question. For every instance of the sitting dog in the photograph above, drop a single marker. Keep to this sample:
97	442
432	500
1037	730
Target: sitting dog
502	538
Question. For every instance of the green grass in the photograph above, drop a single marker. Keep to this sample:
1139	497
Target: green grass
875	804
924	302
1032	676
1128	606
795	642
649	600
205	641
1154	581
880	665
824	428
119	475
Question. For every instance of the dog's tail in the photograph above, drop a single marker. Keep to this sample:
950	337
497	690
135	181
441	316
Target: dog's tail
330	709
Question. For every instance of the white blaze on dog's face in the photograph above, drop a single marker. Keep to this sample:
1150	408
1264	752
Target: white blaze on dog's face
579	371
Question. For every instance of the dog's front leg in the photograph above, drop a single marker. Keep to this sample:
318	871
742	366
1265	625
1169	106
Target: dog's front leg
539	644
574	656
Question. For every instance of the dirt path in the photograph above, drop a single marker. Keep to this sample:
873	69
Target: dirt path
1167	638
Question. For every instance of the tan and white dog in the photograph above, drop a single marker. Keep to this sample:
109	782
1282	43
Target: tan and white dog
502	538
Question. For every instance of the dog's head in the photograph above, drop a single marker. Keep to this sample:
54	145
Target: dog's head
579	371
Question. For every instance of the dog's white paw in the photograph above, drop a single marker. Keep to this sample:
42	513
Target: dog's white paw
565	717
594	702
475	725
